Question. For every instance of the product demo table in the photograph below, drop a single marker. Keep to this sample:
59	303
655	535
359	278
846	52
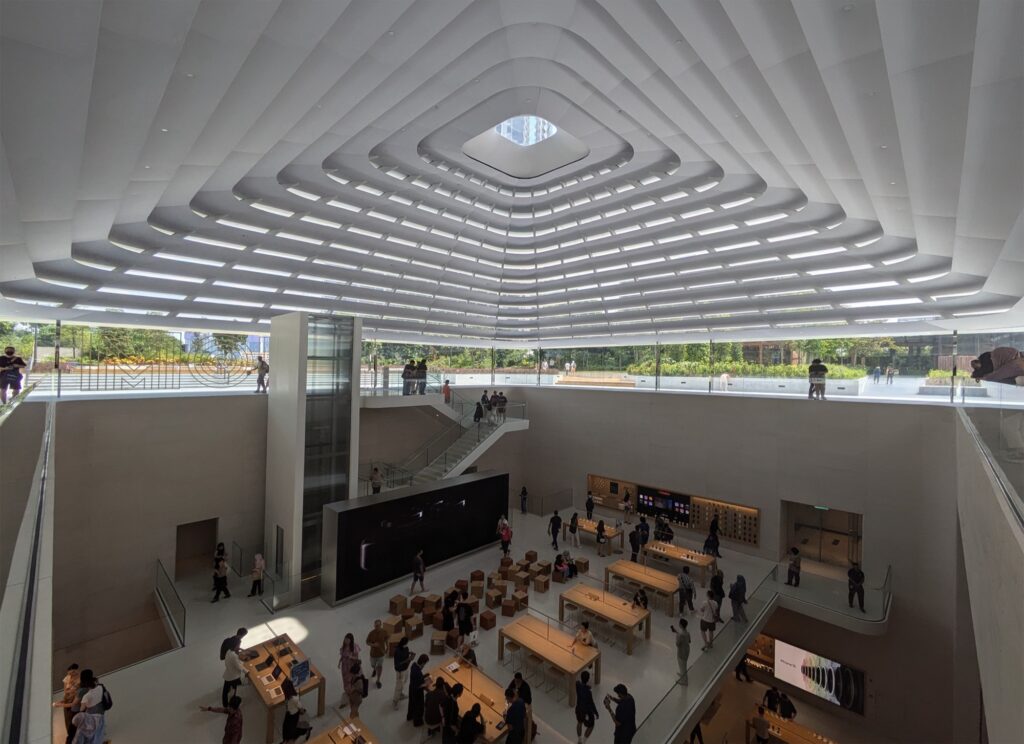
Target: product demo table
270	666
782	730
589	526
554	646
349	731
477	688
611	608
667	551
658	582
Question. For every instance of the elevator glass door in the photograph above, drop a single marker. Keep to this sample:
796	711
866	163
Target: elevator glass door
826	535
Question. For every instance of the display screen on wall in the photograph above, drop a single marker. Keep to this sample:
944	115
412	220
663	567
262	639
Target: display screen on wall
672	506
378	542
820	676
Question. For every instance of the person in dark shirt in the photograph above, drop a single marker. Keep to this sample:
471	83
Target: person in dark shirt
421	377
634	544
229	642
590	506
586	709
418	682
452	719
434	705
771	700
515	717
713	527
816	376
419	571
644	528
522	688
468	654
554	526
10	373
624	715
856	584
472	726
786	708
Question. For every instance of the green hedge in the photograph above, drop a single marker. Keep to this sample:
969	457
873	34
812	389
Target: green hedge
742	369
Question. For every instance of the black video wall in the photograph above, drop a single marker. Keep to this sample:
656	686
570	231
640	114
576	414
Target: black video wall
675	507
378	542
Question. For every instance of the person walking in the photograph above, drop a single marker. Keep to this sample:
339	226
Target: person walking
877	375
687	591
377	642
358	688
376	480
590	506
10	373
492	411
234	670
586	709
717	588
890	373
738	597
93	701
478	413
419	571
741	671
403	656
522	500
233	724
446	391
634	544
793	573
855	580
554	527
505	535
708	613
644	530
348	657
624	715
464	618
262	369
574	530
682	649
713	537
771	699
816	377
259	567
502	404
219	554
220	585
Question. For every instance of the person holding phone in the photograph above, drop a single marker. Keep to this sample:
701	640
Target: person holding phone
624	714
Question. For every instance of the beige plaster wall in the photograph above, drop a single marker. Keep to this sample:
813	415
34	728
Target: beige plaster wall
20	439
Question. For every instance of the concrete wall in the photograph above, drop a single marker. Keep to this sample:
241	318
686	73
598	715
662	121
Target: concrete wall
128	472
894	464
20	439
392	434
993	549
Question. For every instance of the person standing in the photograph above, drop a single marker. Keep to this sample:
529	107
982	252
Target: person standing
682	649
590	506
451	721
348	657
71	684
771	699
855	580
522	500
634	544
376	480
554	527
464	616
502	405
377	642
762	729
586	708
738	597
293	727
741	671
358	688
419	571
713	538
687	591
708	612
10	373
877	375
402	658
644	529
624	715
505	535
233	724
446	391
515	717
889	374
421	376
220	585
793	573
434	703
408	377
717	587
574	530
478	413
816	376
262	369
259	567
627	507
602	539
90	721
418	682
234	670
786	708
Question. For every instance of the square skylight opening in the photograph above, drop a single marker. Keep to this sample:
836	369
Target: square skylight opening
526	130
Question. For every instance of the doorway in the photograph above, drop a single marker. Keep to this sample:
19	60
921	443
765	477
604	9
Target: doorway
830	536
193	548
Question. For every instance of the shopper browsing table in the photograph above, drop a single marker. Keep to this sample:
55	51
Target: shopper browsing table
583	636
515	718
590	506
761	726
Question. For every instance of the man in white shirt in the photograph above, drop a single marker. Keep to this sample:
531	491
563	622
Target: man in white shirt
234	670
707	612
583	636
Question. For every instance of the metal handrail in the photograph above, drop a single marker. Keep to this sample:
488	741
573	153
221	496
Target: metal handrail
1010	496
179	632
8	408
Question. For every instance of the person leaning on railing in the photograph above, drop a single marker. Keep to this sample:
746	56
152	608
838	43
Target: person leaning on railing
1007	368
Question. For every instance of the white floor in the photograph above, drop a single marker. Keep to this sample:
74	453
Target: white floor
157	701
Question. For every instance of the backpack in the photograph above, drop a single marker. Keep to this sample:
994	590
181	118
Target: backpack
366	686
107	702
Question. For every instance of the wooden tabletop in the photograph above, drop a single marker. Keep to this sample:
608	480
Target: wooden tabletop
649	577
790	732
606	605
281	651
550	643
477	688
589	525
687	555
337	733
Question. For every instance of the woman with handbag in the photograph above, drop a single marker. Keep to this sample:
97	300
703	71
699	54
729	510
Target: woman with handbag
360	687
295	724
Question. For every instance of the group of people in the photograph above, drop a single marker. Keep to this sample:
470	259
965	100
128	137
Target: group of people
220	574
492	407
890	373
414	377
85	702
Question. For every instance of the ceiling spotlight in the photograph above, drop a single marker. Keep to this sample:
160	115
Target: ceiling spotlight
885	147
164	129
391	33
190	74
847	8
892	183
146	167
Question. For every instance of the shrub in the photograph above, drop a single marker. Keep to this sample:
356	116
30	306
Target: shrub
741	369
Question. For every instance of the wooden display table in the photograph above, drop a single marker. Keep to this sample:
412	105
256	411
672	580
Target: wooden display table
667	551
477	688
554	646
782	730
657	582
280	653
611	608
589	527
349	731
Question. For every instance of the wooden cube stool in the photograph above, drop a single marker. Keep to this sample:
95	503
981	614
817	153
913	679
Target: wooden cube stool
534	570
452	639
477	575
488	620
462	585
558	576
522	579
417	603
414	626
582	565
393	624
506	561
407	613
541	583
501	586
508	608
524	565
437	642
431	604
521	599
437	620
491	578
397	604
393	640
531	556
474	604
507	572
494	597
545	567
476	589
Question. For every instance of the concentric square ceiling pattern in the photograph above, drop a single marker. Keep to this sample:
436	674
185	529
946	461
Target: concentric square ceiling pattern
743	168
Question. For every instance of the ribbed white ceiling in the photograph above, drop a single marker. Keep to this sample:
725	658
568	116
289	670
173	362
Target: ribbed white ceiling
756	168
